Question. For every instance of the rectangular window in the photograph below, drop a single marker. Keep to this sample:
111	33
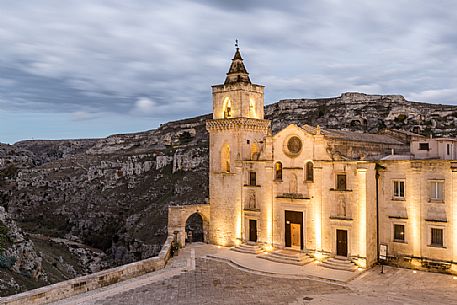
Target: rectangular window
341	182
252	178
436	237
423	146
399	189
437	190
448	149
399	232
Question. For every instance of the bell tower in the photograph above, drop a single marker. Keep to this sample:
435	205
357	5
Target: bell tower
236	134
238	97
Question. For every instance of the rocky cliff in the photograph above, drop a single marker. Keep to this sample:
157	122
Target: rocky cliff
103	202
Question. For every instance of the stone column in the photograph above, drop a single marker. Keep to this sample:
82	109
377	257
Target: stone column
453	227
362	211
413	201
317	208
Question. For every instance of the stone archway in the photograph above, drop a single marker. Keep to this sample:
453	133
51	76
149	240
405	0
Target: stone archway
194	228
179	215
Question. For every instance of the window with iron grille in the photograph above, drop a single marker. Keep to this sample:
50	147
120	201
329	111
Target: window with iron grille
436	237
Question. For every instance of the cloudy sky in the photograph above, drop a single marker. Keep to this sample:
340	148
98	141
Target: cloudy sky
84	68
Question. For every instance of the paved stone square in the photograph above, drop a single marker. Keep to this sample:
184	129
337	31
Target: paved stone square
210	281
218	283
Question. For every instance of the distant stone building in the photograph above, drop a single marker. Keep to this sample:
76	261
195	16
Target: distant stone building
325	192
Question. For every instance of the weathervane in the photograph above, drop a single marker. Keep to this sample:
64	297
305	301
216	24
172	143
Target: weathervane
236	43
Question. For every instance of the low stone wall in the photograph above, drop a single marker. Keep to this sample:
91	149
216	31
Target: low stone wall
423	264
89	282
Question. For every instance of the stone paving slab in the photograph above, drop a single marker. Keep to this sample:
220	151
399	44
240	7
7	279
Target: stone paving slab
214	282
218	283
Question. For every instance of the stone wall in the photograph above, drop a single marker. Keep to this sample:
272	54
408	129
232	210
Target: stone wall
178	215
419	213
93	281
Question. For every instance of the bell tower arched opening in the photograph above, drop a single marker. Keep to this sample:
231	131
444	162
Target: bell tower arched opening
227	108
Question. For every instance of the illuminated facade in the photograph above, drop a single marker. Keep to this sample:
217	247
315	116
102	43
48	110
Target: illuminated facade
327	192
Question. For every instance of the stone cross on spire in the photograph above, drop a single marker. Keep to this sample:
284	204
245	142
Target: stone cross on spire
237	72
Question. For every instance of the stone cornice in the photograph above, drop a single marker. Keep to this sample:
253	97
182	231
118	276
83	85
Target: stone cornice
238	124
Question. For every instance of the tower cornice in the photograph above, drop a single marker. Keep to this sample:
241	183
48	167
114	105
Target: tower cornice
238	124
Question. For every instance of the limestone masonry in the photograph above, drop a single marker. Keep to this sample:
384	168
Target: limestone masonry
74	207
326	192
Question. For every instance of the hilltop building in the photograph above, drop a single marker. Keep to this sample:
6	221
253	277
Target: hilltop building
321	192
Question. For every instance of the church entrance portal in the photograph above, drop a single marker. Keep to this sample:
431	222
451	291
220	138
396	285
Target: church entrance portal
294	229
194	224
252	230
342	243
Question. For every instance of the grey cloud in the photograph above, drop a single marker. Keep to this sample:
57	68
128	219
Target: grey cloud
97	57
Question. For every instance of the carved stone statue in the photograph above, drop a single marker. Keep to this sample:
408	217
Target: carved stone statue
251	200
293	186
342	209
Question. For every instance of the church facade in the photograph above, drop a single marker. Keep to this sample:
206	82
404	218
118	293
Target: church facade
327	192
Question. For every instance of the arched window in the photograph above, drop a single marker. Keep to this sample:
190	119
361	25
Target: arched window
309	175
227	108
278	171
225	158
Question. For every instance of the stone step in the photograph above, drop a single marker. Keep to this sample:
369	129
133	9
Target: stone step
340	258
288	253
244	248
287	258
339	264
295	258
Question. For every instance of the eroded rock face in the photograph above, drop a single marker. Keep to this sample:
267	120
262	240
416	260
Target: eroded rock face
371	113
112	194
20	249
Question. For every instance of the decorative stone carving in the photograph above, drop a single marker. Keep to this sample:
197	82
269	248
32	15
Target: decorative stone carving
251	200
294	145
341	207
238	123
293	185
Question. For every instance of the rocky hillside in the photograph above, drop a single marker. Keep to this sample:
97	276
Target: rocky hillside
89	204
371	113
